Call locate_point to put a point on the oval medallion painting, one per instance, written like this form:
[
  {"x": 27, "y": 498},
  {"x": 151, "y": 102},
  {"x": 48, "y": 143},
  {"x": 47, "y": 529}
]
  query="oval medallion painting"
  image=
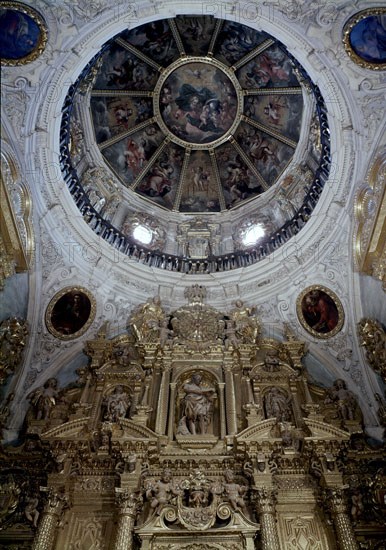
[
  {"x": 70, "y": 313},
  {"x": 365, "y": 38},
  {"x": 320, "y": 311},
  {"x": 23, "y": 34}
]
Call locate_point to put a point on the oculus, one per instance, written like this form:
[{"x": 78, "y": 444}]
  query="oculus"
[
  {"x": 365, "y": 38},
  {"x": 320, "y": 311},
  {"x": 23, "y": 34},
  {"x": 253, "y": 234},
  {"x": 70, "y": 313}
]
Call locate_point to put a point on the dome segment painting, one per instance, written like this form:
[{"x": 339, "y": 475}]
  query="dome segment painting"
[{"x": 227, "y": 96}]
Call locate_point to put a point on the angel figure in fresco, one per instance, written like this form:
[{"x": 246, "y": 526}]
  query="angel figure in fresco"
[
  {"x": 200, "y": 107},
  {"x": 135, "y": 155},
  {"x": 200, "y": 179},
  {"x": 159, "y": 183},
  {"x": 122, "y": 115}
]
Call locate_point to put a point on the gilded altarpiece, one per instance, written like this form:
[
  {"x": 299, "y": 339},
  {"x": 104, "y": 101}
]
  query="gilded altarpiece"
[{"x": 192, "y": 431}]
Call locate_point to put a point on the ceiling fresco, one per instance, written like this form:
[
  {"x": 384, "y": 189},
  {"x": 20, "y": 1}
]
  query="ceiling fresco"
[
  {"x": 197, "y": 115},
  {"x": 202, "y": 85}
]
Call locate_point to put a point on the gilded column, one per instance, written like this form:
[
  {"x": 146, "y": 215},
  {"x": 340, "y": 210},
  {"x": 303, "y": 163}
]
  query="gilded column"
[
  {"x": 223, "y": 432},
  {"x": 230, "y": 400},
  {"x": 171, "y": 410},
  {"x": 46, "y": 533},
  {"x": 267, "y": 519},
  {"x": 128, "y": 505},
  {"x": 160, "y": 426},
  {"x": 342, "y": 523}
]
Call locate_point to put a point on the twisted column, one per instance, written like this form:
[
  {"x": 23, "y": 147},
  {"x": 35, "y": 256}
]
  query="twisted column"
[
  {"x": 267, "y": 518},
  {"x": 128, "y": 505},
  {"x": 342, "y": 523},
  {"x": 46, "y": 533}
]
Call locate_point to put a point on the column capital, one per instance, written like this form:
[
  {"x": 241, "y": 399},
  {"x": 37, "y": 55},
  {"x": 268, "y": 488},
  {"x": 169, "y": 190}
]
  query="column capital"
[
  {"x": 127, "y": 501},
  {"x": 266, "y": 500},
  {"x": 56, "y": 500}
]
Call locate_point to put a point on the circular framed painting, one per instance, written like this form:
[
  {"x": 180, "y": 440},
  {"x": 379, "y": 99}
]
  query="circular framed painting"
[
  {"x": 23, "y": 34},
  {"x": 70, "y": 312},
  {"x": 364, "y": 37},
  {"x": 320, "y": 311}
]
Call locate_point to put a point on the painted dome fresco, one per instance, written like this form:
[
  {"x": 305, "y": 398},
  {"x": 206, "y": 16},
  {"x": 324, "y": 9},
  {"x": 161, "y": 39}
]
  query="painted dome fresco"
[{"x": 195, "y": 116}]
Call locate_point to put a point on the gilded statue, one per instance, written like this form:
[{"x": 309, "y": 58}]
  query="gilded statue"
[
  {"x": 44, "y": 399},
  {"x": 373, "y": 339},
  {"x": 197, "y": 406},
  {"x": 13, "y": 333},
  {"x": 343, "y": 398},
  {"x": 247, "y": 326},
  {"x": 146, "y": 320}
]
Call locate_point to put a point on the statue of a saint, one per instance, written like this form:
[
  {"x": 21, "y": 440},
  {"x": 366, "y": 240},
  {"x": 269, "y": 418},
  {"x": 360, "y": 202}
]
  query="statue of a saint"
[
  {"x": 271, "y": 360},
  {"x": 246, "y": 324},
  {"x": 116, "y": 405},
  {"x": 44, "y": 399},
  {"x": 277, "y": 405},
  {"x": 343, "y": 398},
  {"x": 197, "y": 407}
]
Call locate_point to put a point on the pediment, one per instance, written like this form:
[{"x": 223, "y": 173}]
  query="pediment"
[
  {"x": 258, "y": 432},
  {"x": 125, "y": 430},
  {"x": 322, "y": 430}
]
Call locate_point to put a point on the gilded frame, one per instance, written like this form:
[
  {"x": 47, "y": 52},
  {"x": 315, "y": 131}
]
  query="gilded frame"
[
  {"x": 38, "y": 19},
  {"x": 331, "y": 296},
  {"x": 350, "y": 24},
  {"x": 54, "y": 300}
]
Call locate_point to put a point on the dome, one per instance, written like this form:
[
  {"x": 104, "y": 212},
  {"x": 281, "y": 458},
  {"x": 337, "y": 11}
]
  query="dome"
[{"x": 200, "y": 129}]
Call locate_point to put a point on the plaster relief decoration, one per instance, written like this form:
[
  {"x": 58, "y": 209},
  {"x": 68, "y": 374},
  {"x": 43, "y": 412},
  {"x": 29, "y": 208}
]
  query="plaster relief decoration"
[
  {"x": 365, "y": 38},
  {"x": 320, "y": 311},
  {"x": 70, "y": 312},
  {"x": 145, "y": 229},
  {"x": 370, "y": 228},
  {"x": 23, "y": 34}
]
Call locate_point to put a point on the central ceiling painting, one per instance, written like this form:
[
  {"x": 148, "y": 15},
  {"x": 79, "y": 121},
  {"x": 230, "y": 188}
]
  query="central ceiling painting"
[{"x": 196, "y": 114}]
